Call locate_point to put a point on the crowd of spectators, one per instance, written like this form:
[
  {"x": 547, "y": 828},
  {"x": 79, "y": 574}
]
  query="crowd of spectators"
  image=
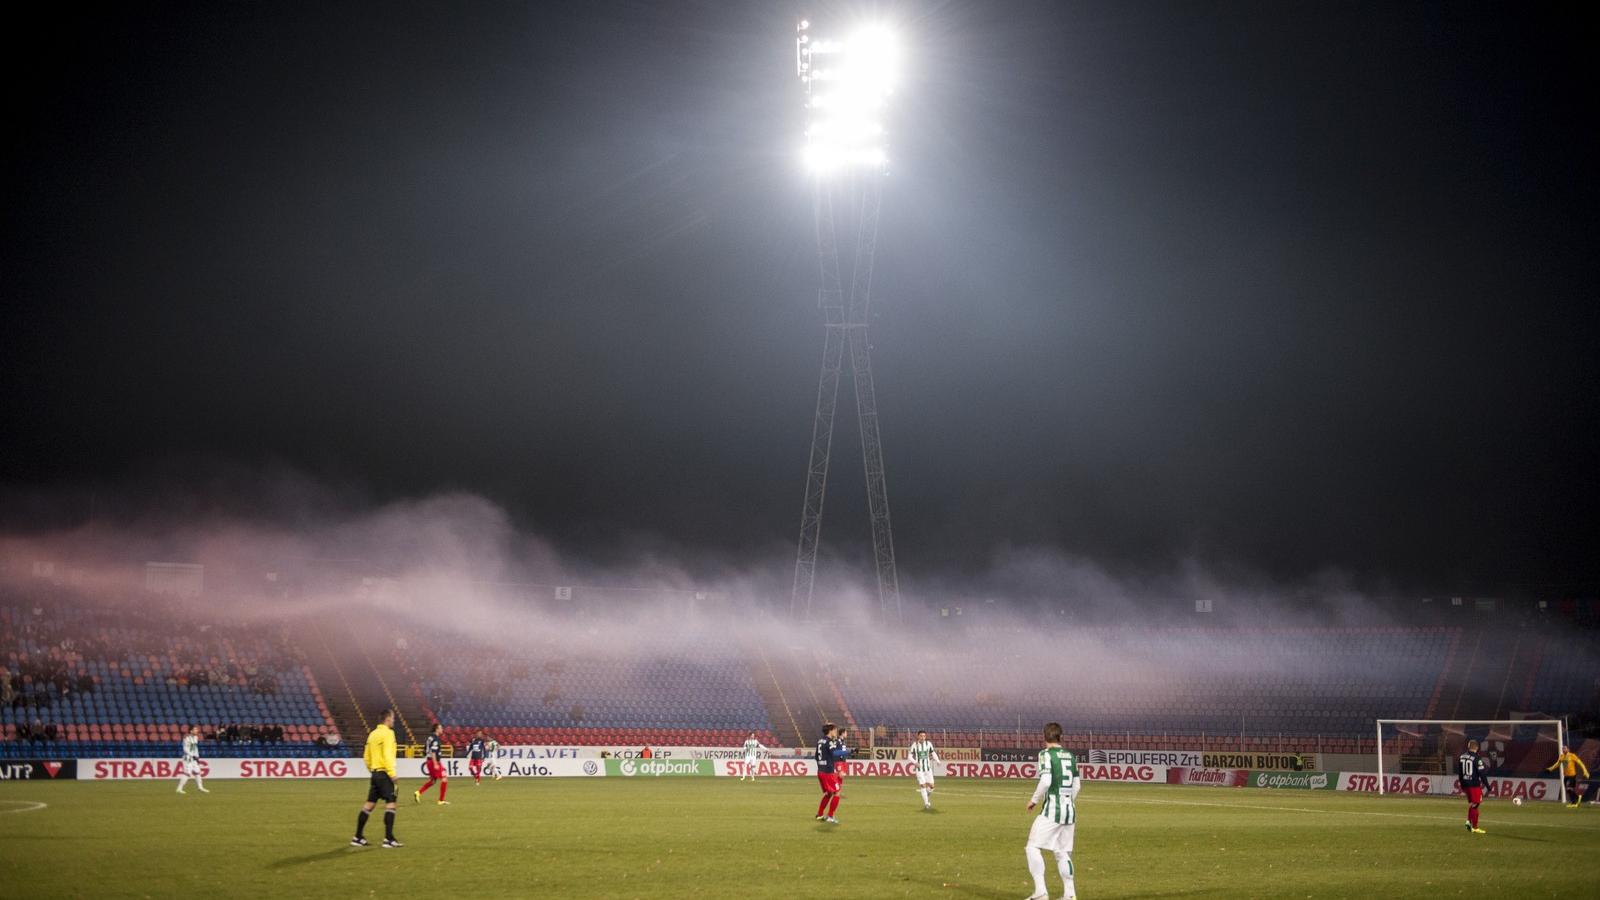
[
  {"x": 38, "y": 732},
  {"x": 248, "y": 734},
  {"x": 261, "y": 679},
  {"x": 53, "y": 641}
]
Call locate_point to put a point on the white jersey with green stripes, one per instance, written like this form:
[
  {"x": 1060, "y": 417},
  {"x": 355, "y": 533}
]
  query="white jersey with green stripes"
[
  {"x": 752, "y": 747},
  {"x": 922, "y": 756},
  {"x": 1059, "y": 784},
  {"x": 191, "y": 748}
]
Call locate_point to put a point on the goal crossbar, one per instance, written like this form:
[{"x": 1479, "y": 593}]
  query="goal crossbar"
[{"x": 1561, "y": 737}]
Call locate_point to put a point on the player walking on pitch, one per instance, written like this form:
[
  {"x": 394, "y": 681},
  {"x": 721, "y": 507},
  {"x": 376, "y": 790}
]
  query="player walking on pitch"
[
  {"x": 831, "y": 751},
  {"x": 491, "y": 761},
  {"x": 923, "y": 756},
  {"x": 1469, "y": 776},
  {"x": 191, "y": 761},
  {"x": 476, "y": 750},
  {"x": 379, "y": 756},
  {"x": 1570, "y": 764},
  {"x": 752, "y": 755},
  {"x": 1053, "y": 828},
  {"x": 433, "y": 766}
]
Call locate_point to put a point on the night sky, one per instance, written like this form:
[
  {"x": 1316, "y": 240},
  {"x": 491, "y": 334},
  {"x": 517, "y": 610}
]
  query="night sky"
[{"x": 1285, "y": 285}]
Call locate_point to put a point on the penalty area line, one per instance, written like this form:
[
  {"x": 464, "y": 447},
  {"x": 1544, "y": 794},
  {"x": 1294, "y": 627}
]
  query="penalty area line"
[{"x": 23, "y": 806}]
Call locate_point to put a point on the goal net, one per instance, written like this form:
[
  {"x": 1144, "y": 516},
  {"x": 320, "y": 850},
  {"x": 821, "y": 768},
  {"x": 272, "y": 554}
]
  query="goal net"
[{"x": 1418, "y": 756}]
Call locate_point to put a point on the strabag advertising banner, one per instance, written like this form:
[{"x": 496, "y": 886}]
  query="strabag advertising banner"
[
  {"x": 871, "y": 768},
  {"x": 1135, "y": 773},
  {"x": 269, "y": 769},
  {"x": 262, "y": 769},
  {"x": 1445, "y": 786}
]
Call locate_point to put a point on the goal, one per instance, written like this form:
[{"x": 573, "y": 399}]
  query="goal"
[{"x": 1514, "y": 748}]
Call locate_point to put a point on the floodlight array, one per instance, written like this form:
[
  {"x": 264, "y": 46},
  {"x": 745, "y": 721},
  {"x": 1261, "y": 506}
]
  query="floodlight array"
[{"x": 847, "y": 86}]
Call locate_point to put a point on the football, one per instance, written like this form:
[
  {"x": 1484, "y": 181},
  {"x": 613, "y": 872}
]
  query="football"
[{"x": 1516, "y": 801}]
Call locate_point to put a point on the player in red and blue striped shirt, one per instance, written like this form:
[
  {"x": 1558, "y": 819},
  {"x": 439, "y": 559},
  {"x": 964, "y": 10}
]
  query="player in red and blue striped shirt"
[
  {"x": 831, "y": 751},
  {"x": 1470, "y": 777},
  {"x": 433, "y": 765}
]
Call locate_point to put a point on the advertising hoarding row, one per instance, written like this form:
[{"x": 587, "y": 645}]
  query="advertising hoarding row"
[{"x": 1138, "y": 767}]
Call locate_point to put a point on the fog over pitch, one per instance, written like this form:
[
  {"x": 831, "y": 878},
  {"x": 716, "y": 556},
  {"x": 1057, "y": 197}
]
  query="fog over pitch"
[{"x": 1278, "y": 288}]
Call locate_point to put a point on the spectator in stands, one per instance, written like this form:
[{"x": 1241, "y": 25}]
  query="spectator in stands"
[
  {"x": 6, "y": 691},
  {"x": 50, "y": 732}
]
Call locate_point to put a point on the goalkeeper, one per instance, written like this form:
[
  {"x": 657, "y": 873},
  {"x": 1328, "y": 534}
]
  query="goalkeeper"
[{"x": 1570, "y": 764}]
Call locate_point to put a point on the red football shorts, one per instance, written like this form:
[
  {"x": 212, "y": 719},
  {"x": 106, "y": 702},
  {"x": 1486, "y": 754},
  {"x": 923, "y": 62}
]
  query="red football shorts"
[
  {"x": 1474, "y": 795},
  {"x": 434, "y": 768},
  {"x": 830, "y": 782}
]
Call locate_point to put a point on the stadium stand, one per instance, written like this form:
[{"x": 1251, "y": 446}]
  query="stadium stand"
[
  {"x": 551, "y": 695},
  {"x": 1286, "y": 684},
  {"x": 99, "y": 681},
  {"x": 127, "y": 680}
]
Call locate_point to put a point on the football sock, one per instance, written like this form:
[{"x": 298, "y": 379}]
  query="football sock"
[
  {"x": 822, "y": 808},
  {"x": 199, "y": 783},
  {"x": 833, "y": 804},
  {"x": 388, "y": 823},
  {"x": 1472, "y": 815},
  {"x": 182, "y": 780},
  {"x": 1036, "y": 869},
  {"x": 424, "y": 788},
  {"x": 443, "y": 786},
  {"x": 924, "y": 792},
  {"x": 1064, "y": 869},
  {"x": 361, "y": 822}
]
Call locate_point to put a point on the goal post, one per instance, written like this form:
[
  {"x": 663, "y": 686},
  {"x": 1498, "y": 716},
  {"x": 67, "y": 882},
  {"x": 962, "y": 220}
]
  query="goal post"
[{"x": 1429, "y": 746}]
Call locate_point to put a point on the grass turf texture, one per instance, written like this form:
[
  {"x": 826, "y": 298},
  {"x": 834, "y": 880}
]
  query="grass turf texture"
[{"x": 701, "y": 837}]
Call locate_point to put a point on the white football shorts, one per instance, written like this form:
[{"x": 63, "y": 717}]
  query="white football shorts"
[{"x": 1048, "y": 835}]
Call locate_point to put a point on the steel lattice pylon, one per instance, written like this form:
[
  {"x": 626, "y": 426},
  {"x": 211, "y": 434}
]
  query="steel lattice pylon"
[{"x": 846, "y": 326}]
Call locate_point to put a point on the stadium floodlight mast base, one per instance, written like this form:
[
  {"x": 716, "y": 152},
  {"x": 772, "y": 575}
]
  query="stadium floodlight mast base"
[
  {"x": 847, "y": 84},
  {"x": 1561, "y": 737}
]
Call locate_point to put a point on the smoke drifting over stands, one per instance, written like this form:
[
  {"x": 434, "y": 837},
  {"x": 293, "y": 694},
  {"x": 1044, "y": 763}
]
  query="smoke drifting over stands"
[{"x": 442, "y": 603}]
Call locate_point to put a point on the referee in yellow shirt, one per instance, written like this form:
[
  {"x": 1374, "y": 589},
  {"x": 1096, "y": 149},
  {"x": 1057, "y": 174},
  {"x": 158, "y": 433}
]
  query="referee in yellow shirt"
[
  {"x": 380, "y": 762},
  {"x": 1570, "y": 764}
]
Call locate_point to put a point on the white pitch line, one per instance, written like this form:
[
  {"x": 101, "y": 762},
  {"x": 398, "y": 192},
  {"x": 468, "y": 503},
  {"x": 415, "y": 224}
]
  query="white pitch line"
[
  {"x": 29, "y": 806},
  {"x": 1304, "y": 809}
]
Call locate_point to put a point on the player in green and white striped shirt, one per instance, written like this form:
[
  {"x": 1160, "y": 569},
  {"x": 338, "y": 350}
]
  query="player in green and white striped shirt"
[
  {"x": 923, "y": 756},
  {"x": 1053, "y": 828},
  {"x": 752, "y": 755},
  {"x": 190, "y": 767}
]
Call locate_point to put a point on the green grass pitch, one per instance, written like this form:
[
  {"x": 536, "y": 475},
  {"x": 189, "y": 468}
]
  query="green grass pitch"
[{"x": 669, "y": 838}]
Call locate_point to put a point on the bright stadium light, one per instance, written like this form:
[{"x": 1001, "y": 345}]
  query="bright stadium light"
[{"x": 848, "y": 83}]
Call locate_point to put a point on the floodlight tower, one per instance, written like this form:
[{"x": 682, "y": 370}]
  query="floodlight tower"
[{"x": 847, "y": 85}]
